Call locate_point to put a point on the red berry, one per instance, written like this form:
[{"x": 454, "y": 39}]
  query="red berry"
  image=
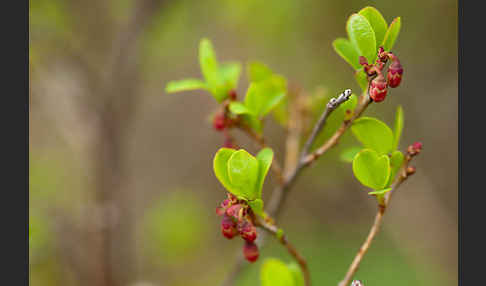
[
  {"x": 228, "y": 227},
  {"x": 219, "y": 121},
  {"x": 247, "y": 231},
  {"x": 395, "y": 72},
  {"x": 250, "y": 251},
  {"x": 378, "y": 88}
]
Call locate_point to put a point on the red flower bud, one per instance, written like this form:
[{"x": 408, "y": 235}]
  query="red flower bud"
[
  {"x": 414, "y": 149},
  {"x": 219, "y": 121},
  {"x": 395, "y": 72},
  {"x": 228, "y": 227},
  {"x": 234, "y": 211},
  {"x": 232, "y": 94},
  {"x": 363, "y": 61},
  {"x": 382, "y": 55},
  {"x": 378, "y": 88},
  {"x": 247, "y": 231},
  {"x": 250, "y": 251},
  {"x": 417, "y": 146}
]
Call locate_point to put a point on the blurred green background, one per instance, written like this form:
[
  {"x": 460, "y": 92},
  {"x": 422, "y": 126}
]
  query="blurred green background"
[{"x": 122, "y": 190}]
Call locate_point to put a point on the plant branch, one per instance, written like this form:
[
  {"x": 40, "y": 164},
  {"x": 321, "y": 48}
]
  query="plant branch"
[
  {"x": 403, "y": 175},
  {"x": 274, "y": 230}
]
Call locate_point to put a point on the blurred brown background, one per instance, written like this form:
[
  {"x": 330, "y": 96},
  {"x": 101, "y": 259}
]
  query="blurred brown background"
[{"x": 122, "y": 190}]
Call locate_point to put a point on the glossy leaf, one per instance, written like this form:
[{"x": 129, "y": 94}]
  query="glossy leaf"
[
  {"x": 297, "y": 273},
  {"x": 362, "y": 36},
  {"x": 396, "y": 161},
  {"x": 373, "y": 134},
  {"x": 347, "y": 51},
  {"x": 276, "y": 273},
  {"x": 258, "y": 71},
  {"x": 377, "y": 22},
  {"x": 397, "y": 132},
  {"x": 349, "y": 154},
  {"x": 220, "y": 163},
  {"x": 253, "y": 122},
  {"x": 257, "y": 207},
  {"x": 362, "y": 79},
  {"x": 243, "y": 172},
  {"x": 209, "y": 63},
  {"x": 262, "y": 96},
  {"x": 392, "y": 34},
  {"x": 264, "y": 158},
  {"x": 371, "y": 169},
  {"x": 237, "y": 107},
  {"x": 185, "y": 85}
]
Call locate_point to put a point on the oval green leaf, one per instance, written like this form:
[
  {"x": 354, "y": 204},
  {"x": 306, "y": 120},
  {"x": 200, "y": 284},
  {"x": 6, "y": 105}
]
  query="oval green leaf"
[
  {"x": 264, "y": 158},
  {"x": 373, "y": 134},
  {"x": 377, "y": 22},
  {"x": 185, "y": 85},
  {"x": 371, "y": 169},
  {"x": 238, "y": 108},
  {"x": 349, "y": 154},
  {"x": 243, "y": 173},
  {"x": 347, "y": 51},
  {"x": 275, "y": 273},
  {"x": 362, "y": 36},
  {"x": 397, "y": 132},
  {"x": 220, "y": 163},
  {"x": 263, "y": 96},
  {"x": 258, "y": 71},
  {"x": 396, "y": 161},
  {"x": 392, "y": 34},
  {"x": 208, "y": 63}
]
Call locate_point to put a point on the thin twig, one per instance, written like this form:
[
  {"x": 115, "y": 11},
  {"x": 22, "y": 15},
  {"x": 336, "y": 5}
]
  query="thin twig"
[
  {"x": 273, "y": 229},
  {"x": 376, "y": 225},
  {"x": 279, "y": 194}
]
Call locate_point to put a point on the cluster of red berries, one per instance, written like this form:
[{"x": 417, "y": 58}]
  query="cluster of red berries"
[
  {"x": 379, "y": 86},
  {"x": 222, "y": 121},
  {"x": 237, "y": 220}
]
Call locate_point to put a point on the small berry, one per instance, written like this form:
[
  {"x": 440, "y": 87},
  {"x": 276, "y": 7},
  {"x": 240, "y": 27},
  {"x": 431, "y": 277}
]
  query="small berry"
[
  {"x": 228, "y": 227},
  {"x": 250, "y": 251},
  {"x": 219, "y": 121},
  {"x": 247, "y": 231},
  {"x": 395, "y": 72},
  {"x": 378, "y": 88}
]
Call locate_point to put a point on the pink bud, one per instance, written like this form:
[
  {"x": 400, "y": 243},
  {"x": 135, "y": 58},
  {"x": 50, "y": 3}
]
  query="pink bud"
[
  {"x": 250, "y": 251},
  {"x": 234, "y": 211},
  {"x": 395, "y": 72},
  {"x": 219, "y": 121},
  {"x": 228, "y": 227},
  {"x": 417, "y": 146},
  {"x": 247, "y": 231},
  {"x": 378, "y": 88}
]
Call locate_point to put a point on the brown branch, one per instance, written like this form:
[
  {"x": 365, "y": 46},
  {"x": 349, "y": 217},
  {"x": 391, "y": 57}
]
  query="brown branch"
[
  {"x": 382, "y": 207},
  {"x": 274, "y": 230}
]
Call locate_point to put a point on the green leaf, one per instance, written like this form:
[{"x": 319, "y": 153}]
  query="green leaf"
[
  {"x": 281, "y": 112},
  {"x": 237, "y": 107},
  {"x": 396, "y": 161},
  {"x": 253, "y": 122},
  {"x": 230, "y": 74},
  {"x": 362, "y": 79},
  {"x": 243, "y": 173},
  {"x": 258, "y": 71},
  {"x": 220, "y": 163},
  {"x": 362, "y": 36},
  {"x": 184, "y": 85},
  {"x": 380, "y": 192},
  {"x": 373, "y": 134},
  {"x": 263, "y": 96},
  {"x": 297, "y": 273},
  {"x": 371, "y": 169},
  {"x": 377, "y": 22},
  {"x": 275, "y": 273},
  {"x": 397, "y": 132},
  {"x": 392, "y": 34},
  {"x": 264, "y": 158},
  {"x": 349, "y": 154},
  {"x": 209, "y": 63},
  {"x": 257, "y": 207},
  {"x": 347, "y": 51}
]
